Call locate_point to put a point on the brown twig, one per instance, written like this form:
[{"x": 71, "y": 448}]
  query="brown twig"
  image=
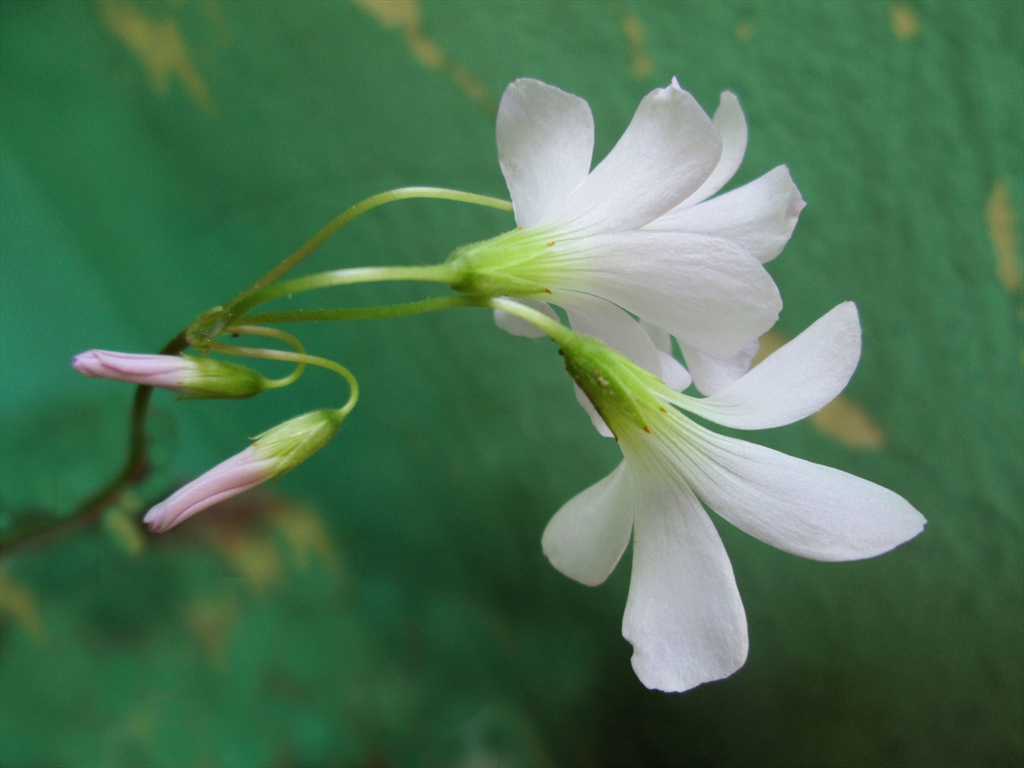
[{"x": 135, "y": 468}]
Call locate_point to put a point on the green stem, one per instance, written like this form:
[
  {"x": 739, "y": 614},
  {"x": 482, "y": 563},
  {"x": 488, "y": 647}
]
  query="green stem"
[
  {"x": 404, "y": 193},
  {"x": 436, "y": 273},
  {"x": 274, "y": 333},
  {"x": 368, "y": 313},
  {"x": 552, "y": 328},
  {"x": 295, "y": 357}
]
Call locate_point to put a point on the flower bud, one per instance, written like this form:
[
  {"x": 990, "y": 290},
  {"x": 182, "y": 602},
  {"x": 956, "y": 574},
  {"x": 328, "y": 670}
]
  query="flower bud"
[
  {"x": 193, "y": 377},
  {"x": 272, "y": 454}
]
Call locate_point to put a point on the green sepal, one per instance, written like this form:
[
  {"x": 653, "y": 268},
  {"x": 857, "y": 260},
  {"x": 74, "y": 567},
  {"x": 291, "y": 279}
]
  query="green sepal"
[
  {"x": 292, "y": 442},
  {"x": 220, "y": 379},
  {"x": 617, "y": 387},
  {"x": 515, "y": 263}
]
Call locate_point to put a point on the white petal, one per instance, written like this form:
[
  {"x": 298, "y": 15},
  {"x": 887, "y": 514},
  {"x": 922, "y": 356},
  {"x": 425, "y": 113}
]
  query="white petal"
[
  {"x": 668, "y": 150},
  {"x": 732, "y": 127},
  {"x": 793, "y": 382},
  {"x": 707, "y": 292},
  {"x": 587, "y": 536},
  {"x": 684, "y": 617},
  {"x": 662, "y": 341},
  {"x": 545, "y": 144},
  {"x": 760, "y": 215},
  {"x": 601, "y": 319},
  {"x": 519, "y": 327},
  {"x": 800, "y": 507},
  {"x": 672, "y": 371},
  {"x": 581, "y": 397},
  {"x": 711, "y": 374}
]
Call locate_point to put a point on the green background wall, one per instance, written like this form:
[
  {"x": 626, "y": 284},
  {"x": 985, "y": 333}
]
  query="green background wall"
[{"x": 388, "y": 603}]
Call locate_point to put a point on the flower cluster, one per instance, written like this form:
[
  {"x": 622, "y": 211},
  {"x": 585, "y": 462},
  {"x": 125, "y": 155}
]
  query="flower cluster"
[
  {"x": 641, "y": 255},
  {"x": 638, "y": 233}
]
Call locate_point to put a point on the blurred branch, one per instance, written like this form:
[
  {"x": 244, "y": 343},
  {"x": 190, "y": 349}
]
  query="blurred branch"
[{"x": 135, "y": 469}]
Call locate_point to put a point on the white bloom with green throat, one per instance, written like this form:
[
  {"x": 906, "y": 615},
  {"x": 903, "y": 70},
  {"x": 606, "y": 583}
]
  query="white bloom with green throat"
[
  {"x": 637, "y": 232},
  {"x": 684, "y": 616}
]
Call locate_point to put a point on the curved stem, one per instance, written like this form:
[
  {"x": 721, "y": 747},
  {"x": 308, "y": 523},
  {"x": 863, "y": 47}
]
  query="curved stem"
[
  {"x": 368, "y": 313},
  {"x": 403, "y": 193},
  {"x": 274, "y": 333},
  {"x": 295, "y": 357},
  {"x": 552, "y": 328},
  {"x": 436, "y": 273},
  {"x": 135, "y": 468}
]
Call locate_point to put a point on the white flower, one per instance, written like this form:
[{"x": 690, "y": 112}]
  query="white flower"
[
  {"x": 272, "y": 454},
  {"x": 634, "y": 233},
  {"x": 684, "y": 616}
]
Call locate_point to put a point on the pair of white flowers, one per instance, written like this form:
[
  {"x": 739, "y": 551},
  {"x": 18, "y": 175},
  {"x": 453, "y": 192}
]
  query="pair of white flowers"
[{"x": 637, "y": 234}]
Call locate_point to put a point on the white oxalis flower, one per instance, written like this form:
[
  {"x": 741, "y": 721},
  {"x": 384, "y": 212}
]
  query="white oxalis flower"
[
  {"x": 636, "y": 233},
  {"x": 684, "y": 616}
]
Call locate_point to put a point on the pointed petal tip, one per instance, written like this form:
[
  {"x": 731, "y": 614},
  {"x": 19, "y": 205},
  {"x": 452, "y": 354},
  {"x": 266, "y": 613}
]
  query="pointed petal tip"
[
  {"x": 153, "y": 519},
  {"x": 82, "y": 362},
  {"x": 905, "y": 523}
]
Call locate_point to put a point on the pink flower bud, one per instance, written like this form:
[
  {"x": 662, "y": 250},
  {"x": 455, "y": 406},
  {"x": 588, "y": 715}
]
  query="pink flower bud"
[
  {"x": 229, "y": 478},
  {"x": 276, "y": 451},
  {"x": 193, "y": 377}
]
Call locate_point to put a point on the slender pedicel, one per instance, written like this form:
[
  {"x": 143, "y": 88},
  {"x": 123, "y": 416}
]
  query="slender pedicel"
[
  {"x": 296, "y": 357},
  {"x": 367, "y": 313},
  {"x": 436, "y": 273},
  {"x": 404, "y": 193}
]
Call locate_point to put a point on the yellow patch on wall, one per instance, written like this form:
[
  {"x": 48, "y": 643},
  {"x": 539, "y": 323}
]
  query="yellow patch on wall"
[
  {"x": 744, "y": 31},
  {"x": 843, "y": 419},
  {"x": 640, "y": 65},
  {"x": 211, "y": 620},
  {"x": 904, "y": 20},
  {"x": 252, "y": 555},
  {"x": 158, "y": 44},
  {"x": 121, "y": 523},
  {"x": 406, "y": 17},
  {"x": 18, "y": 603},
  {"x": 1002, "y": 229},
  {"x": 306, "y": 536}
]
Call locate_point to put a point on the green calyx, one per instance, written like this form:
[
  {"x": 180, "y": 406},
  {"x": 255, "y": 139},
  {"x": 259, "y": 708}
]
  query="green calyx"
[
  {"x": 292, "y": 442},
  {"x": 619, "y": 389},
  {"x": 516, "y": 263},
  {"x": 220, "y": 379}
]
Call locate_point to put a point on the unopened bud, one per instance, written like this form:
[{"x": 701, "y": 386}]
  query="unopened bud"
[
  {"x": 193, "y": 377},
  {"x": 275, "y": 452}
]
